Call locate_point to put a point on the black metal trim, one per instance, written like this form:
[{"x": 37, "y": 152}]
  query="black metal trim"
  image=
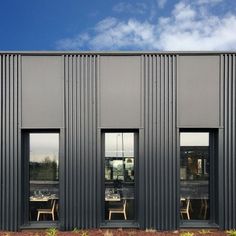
[
  {"x": 116, "y": 224},
  {"x": 25, "y": 175},
  {"x": 198, "y": 224},
  {"x": 41, "y": 225},
  {"x": 213, "y": 183},
  {"x": 120, "y": 224}
]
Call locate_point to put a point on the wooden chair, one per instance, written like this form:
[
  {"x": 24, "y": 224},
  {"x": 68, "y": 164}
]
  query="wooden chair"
[
  {"x": 118, "y": 210},
  {"x": 50, "y": 211},
  {"x": 185, "y": 209}
]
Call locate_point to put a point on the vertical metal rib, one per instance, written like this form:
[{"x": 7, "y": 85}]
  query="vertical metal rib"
[
  {"x": 229, "y": 184},
  {"x": 9, "y": 150},
  {"x": 233, "y": 166},
  {"x": 159, "y": 141},
  {"x": 80, "y": 124},
  {"x": 1, "y": 133}
]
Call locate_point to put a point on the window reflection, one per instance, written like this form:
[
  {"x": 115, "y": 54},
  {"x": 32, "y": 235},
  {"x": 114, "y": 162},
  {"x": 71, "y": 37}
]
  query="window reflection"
[
  {"x": 43, "y": 176},
  {"x": 119, "y": 176},
  {"x": 194, "y": 176},
  {"x": 119, "y": 145}
]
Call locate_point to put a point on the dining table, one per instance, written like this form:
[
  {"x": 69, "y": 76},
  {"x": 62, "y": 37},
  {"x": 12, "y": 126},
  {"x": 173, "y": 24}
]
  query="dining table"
[
  {"x": 112, "y": 197},
  {"x": 43, "y": 198}
]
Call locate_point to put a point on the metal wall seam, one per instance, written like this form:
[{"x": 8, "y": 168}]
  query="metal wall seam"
[
  {"x": 229, "y": 136},
  {"x": 97, "y": 123},
  {"x": 63, "y": 197},
  {"x": 3, "y": 140},
  {"x": 62, "y": 161},
  {"x": 154, "y": 137},
  {"x": 146, "y": 219},
  {"x": 170, "y": 134},
  {"x": 220, "y": 168},
  {"x": 11, "y": 136},
  {"x": 233, "y": 166},
  {"x": 225, "y": 139},
  {"x": 74, "y": 136},
  {"x": 230, "y": 133},
  {"x": 175, "y": 167},
  {"x": 229, "y": 185},
  {"x": 149, "y": 149},
  {"x": 78, "y": 131},
  {"x": 93, "y": 134},
  {"x": 18, "y": 142},
  {"x": 161, "y": 153},
  {"x": 226, "y": 208},
  {"x": 221, "y": 91},
  {"x": 141, "y": 179},
  {"x": 80, "y": 123},
  {"x": 9, "y": 156},
  {"x": 159, "y": 140},
  {"x": 70, "y": 140},
  {"x": 15, "y": 137},
  {"x": 1, "y": 112},
  {"x": 7, "y": 143}
]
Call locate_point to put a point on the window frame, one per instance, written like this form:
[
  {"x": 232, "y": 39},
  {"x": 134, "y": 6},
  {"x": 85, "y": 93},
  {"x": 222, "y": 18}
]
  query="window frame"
[
  {"x": 119, "y": 223},
  {"x": 213, "y": 180},
  {"x": 25, "y": 151}
]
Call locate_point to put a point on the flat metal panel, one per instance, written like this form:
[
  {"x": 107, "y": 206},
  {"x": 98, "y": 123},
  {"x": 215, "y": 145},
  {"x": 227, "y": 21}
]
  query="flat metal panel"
[
  {"x": 228, "y": 187},
  {"x": 198, "y": 91},
  {"x": 80, "y": 190},
  {"x": 120, "y": 92},
  {"x": 42, "y": 92},
  {"x": 158, "y": 159},
  {"x": 10, "y": 172}
]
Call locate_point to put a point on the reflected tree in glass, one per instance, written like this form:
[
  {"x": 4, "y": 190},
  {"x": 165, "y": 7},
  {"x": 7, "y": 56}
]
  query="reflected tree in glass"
[
  {"x": 194, "y": 176},
  {"x": 119, "y": 176},
  {"x": 43, "y": 176}
]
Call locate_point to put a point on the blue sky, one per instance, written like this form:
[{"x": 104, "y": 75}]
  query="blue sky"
[{"x": 162, "y": 25}]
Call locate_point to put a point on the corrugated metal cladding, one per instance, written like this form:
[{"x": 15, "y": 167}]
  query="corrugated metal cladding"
[
  {"x": 80, "y": 166},
  {"x": 9, "y": 142},
  {"x": 228, "y": 67},
  {"x": 160, "y": 157},
  {"x": 80, "y": 192}
]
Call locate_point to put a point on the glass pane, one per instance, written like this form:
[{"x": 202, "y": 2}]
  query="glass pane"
[
  {"x": 119, "y": 176},
  {"x": 114, "y": 169},
  {"x": 194, "y": 139},
  {"x": 194, "y": 176},
  {"x": 119, "y": 145},
  {"x": 129, "y": 169},
  {"x": 43, "y": 176}
]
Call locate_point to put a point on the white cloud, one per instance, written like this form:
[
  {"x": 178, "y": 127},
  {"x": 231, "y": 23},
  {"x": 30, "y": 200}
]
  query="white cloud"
[
  {"x": 188, "y": 27},
  {"x": 106, "y": 24},
  {"x": 134, "y": 8},
  {"x": 73, "y": 43},
  {"x": 161, "y": 3},
  {"x": 123, "y": 34},
  {"x": 188, "y": 30},
  {"x": 183, "y": 12},
  {"x": 200, "y": 2}
]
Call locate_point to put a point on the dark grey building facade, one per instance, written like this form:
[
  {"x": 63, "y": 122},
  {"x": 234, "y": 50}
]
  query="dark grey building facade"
[{"x": 126, "y": 139}]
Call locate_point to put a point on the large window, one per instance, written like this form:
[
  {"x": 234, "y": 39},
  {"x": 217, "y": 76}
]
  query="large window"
[
  {"x": 194, "y": 175},
  {"x": 43, "y": 176},
  {"x": 119, "y": 176}
]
